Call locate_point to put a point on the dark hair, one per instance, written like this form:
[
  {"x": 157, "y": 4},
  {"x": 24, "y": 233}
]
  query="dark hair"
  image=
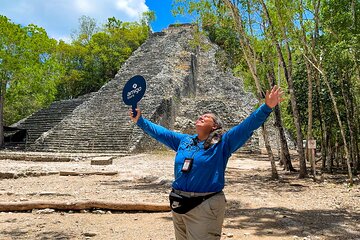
[{"x": 215, "y": 136}]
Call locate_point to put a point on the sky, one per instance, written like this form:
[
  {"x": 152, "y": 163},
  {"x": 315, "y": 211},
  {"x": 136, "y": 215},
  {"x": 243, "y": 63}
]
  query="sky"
[{"x": 61, "y": 17}]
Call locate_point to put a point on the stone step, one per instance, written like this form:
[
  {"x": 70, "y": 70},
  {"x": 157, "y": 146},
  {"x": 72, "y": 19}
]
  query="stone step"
[
  {"x": 90, "y": 136},
  {"x": 84, "y": 140},
  {"x": 57, "y": 144},
  {"x": 69, "y": 146},
  {"x": 95, "y": 118},
  {"x": 125, "y": 141},
  {"x": 117, "y": 140},
  {"x": 83, "y": 150},
  {"x": 82, "y": 143},
  {"x": 85, "y": 133},
  {"x": 79, "y": 148},
  {"x": 48, "y": 116},
  {"x": 99, "y": 148},
  {"x": 102, "y": 122},
  {"x": 110, "y": 129},
  {"x": 55, "y": 110}
]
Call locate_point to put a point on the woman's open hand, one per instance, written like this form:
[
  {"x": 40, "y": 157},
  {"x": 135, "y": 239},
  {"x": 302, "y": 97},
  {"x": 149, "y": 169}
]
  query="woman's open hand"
[{"x": 273, "y": 97}]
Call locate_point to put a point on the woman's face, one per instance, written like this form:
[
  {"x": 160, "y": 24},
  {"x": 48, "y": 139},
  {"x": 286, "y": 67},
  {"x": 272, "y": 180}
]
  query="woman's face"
[{"x": 205, "y": 124}]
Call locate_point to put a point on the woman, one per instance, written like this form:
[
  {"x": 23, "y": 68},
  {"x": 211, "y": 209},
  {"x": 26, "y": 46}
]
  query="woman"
[{"x": 197, "y": 199}]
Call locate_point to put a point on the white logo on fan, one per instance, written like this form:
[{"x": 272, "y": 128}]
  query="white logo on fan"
[{"x": 134, "y": 85}]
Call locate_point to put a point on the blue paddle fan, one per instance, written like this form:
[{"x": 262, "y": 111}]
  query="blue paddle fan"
[{"x": 133, "y": 91}]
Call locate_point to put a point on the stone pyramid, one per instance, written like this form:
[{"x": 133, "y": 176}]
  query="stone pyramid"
[{"x": 183, "y": 79}]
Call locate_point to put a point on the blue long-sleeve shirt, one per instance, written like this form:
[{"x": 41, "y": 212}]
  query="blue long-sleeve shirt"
[{"x": 208, "y": 170}]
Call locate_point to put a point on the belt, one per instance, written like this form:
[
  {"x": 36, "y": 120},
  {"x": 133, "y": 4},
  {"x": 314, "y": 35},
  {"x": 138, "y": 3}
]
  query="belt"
[{"x": 193, "y": 194}]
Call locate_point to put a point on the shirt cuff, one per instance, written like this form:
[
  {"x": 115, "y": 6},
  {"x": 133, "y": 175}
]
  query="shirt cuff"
[
  {"x": 265, "y": 108},
  {"x": 140, "y": 122}
]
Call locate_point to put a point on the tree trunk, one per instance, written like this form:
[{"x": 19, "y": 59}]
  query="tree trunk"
[
  {"x": 288, "y": 77},
  {"x": 329, "y": 160},
  {"x": 279, "y": 125},
  {"x": 321, "y": 111},
  {"x": 310, "y": 93},
  {"x": 353, "y": 14},
  {"x": 281, "y": 155},
  {"x": 82, "y": 205},
  {"x": 2, "y": 101},
  {"x": 342, "y": 131},
  {"x": 318, "y": 67},
  {"x": 357, "y": 140},
  {"x": 356, "y": 117},
  {"x": 323, "y": 127},
  {"x": 274, "y": 174},
  {"x": 349, "y": 118},
  {"x": 249, "y": 55},
  {"x": 310, "y": 118},
  {"x": 342, "y": 159}
]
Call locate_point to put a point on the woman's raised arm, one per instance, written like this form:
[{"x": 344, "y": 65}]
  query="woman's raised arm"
[{"x": 170, "y": 138}]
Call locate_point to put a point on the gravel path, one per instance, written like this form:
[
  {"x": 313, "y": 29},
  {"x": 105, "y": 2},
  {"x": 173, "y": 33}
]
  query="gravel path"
[{"x": 257, "y": 207}]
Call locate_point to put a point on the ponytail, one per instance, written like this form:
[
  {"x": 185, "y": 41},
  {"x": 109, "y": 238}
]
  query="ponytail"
[{"x": 215, "y": 136}]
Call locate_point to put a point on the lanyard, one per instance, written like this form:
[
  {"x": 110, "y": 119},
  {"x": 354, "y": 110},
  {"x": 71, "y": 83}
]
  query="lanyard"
[
  {"x": 188, "y": 162},
  {"x": 194, "y": 146}
]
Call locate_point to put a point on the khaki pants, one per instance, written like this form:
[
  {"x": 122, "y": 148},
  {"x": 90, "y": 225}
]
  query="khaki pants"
[{"x": 203, "y": 222}]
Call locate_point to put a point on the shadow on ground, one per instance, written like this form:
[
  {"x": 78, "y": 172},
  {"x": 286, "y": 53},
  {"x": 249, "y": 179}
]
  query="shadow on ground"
[
  {"x": 152, "y": 184},
  {"x": 14, "y": 233},
  {"x": 52, "y": 235},
  {"x": 275, "y": 221},
  {"x": 262, "y": 180},
  {"x": 23, "y": 234}
]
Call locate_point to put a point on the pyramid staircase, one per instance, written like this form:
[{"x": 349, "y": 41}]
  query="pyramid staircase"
[
  {"x": 101, "y": 123},
  {"x": 47, "y": 118},
  {"x": 182, "y": 82}
]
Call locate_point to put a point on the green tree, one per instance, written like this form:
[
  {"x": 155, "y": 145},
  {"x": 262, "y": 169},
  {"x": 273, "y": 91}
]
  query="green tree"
[
  {"x": 28, "y": 69},
  {"x": 87, "y": 28},
  {"x": 71, "y": 58},
  {"x": 313, "y": 45},
  {"x": 90, "y": 64}
]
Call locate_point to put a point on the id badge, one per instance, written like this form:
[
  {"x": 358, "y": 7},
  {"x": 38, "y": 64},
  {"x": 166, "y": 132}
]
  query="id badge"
[{"x": 187, "y": 165}]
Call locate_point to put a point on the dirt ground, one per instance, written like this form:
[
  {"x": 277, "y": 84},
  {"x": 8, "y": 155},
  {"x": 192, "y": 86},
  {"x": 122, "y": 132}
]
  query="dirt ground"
[{"x": 257, "y": 207}]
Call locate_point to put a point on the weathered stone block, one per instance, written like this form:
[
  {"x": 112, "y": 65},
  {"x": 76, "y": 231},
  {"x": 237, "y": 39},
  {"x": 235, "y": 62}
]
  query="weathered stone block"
[{"x": 102, "y": 161}]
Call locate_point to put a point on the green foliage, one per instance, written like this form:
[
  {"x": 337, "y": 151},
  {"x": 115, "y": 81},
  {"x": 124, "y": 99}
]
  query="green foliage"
[
  {"x": 335, "y": 41},
  {"x": 90, "y": 64},
  {"x": 87, "y": 28},
  {"x": 36, "y": 70},
  {"x": 28, "y": 68},
  {"x": 71, "y": 58}
]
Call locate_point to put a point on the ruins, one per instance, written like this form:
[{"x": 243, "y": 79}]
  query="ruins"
[{"x": 184, "y": 80}]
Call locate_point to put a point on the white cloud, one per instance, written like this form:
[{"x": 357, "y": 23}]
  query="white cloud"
[
  {"x": 132, "y": 7},
  {"x": 84, "y": 6},
  {"x": 60, "y": 18}
]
